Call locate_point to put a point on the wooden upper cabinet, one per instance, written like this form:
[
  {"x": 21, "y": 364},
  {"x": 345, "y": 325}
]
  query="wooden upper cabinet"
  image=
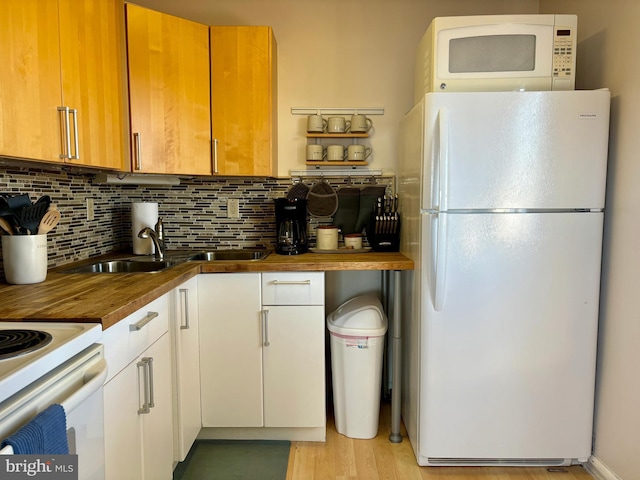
[
  {"x": 244, "y": 100},
  {"x": 30, "y": 82},
  {"x": 168, "y": 93},
  {"x": 93, "y": 80},
  {"x": 62, "y": 53}
]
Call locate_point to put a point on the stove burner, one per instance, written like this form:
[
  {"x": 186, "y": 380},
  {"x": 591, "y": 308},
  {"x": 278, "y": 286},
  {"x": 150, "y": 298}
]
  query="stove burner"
[{"x": 19, "y": 342}]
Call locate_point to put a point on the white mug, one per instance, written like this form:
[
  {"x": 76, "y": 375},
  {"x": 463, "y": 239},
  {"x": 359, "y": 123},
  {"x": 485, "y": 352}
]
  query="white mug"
[
  {"x": 316, "y": 124},
  {"x": 360, "y": 124},
  {"x": 358, "y": 153},
  {"x": 337, "y": 125},
  {"x": 327, "y": 237},
  {"x": 316, "y": 153},
  {"x": 335, "y": 153}
]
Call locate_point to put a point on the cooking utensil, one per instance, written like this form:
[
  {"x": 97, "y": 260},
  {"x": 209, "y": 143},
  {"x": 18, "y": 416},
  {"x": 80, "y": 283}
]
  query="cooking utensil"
[
  {"x": 29, "y": 217},
  {"x": 18, "y": 202},
  {"x": 48, "y": 221},
  {"x": 6, "y": 226}
]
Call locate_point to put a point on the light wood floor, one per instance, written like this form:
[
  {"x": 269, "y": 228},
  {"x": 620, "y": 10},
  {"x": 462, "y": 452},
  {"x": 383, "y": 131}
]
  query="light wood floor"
[{"x": 342, "y": 458}]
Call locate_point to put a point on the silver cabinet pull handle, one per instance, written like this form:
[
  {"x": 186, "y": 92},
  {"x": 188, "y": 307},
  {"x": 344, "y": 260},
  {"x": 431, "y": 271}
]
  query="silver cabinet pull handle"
[
  {"x": 184, "y": 295},
  {"x": 150, "y": 369},
  {"x": 137, "y": 147},
  {"x": 265, "y": 328},
  {"x": 215, "y": 155},
  {"x": 66, "y": 140},
  {"x": 294, "y": 282},
  {"x": 145, "y": 408},
  {"x": 76, "y": 156},
  {"x": 134, "y": 327}
]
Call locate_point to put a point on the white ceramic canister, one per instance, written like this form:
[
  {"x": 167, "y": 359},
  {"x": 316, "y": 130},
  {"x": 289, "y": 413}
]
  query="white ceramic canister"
[
  {"x": 327, "y": 237},
  {"x": 24, "y": 258}
]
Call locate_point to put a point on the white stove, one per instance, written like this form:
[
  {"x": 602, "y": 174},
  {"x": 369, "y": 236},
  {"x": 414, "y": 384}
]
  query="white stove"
[{"x": 66, "y": 340}]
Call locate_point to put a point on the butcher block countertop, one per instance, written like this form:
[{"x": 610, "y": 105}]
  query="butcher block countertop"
[{"x": 107, "y": 298}]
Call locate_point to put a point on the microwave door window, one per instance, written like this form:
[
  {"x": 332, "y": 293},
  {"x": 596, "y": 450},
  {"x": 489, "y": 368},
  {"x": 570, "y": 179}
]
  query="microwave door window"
[{"x": 492, "y": 53}]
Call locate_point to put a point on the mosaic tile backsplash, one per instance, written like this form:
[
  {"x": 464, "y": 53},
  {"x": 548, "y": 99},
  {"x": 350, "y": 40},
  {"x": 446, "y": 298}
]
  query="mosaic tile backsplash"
[{"x": 194, "y": 213}]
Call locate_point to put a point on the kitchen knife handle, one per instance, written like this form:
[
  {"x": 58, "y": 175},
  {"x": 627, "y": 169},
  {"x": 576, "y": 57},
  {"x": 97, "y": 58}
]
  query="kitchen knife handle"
[
  {"x": 137, "y": 148},
  {"x": 66, "y": 144},
  {"x": 184, "y": 294}
]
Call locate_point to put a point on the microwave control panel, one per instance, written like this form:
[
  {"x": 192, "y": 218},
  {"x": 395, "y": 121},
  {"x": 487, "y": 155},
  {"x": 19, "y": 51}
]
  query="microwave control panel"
[{"x": 563, "y": 53}]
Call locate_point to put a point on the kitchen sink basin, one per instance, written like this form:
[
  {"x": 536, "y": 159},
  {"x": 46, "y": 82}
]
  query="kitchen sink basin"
[
  {"x": 237, "y": 255},
  {"x": 121, "y": 266}
]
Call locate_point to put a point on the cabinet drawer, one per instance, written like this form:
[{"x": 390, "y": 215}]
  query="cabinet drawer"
[
  {"x": 295, "y": 288},
  {"x": 123, "y": 343}
]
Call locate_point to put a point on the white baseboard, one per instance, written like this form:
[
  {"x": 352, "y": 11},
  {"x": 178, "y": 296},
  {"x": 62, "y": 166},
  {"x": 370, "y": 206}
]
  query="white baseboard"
[{"x": 599, "y": 470}]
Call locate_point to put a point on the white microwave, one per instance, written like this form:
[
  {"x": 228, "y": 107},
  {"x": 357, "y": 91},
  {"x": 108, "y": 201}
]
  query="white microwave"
[{"x": 497, "y": 53}]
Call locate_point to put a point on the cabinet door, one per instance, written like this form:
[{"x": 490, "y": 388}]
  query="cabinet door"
[
  {"x": 230, "y": 349},
  {"x": 30, "y": 88},
  {"x": 123, "y": 426},
  {"x": 186, "y": 358},
  {"x": 244, "y": 100},
  {"x": 92, "y": 52},
  {"x": 157, "y": 425},
  {"x": 169, "y": 93},
  {"x": 294, "y": 374}
]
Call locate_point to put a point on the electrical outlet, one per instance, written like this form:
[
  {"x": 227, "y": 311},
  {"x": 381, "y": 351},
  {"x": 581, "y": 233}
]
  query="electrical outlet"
[
  {"x": 90, "y": 210},
  {"x": 233, "y": 208}
]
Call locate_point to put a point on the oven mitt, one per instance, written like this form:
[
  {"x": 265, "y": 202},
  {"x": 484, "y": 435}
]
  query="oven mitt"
[
  {"x": 368, "y": 200},
  {"x": 348, "y": 209}
]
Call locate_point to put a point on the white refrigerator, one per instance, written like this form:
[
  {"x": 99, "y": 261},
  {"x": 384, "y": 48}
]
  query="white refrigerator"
[{"x": 502, "y": 197}]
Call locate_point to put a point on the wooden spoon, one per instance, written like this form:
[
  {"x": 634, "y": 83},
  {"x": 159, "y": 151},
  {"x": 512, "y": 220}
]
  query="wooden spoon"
[
  {"x": 48, "y": 221},
  {"x": 6, "y": 226}
]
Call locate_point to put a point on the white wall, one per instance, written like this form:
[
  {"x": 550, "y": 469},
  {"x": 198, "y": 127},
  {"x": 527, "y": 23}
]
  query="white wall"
[
  {"x": 608, "y": 40},
  {"x": 340, "y": 53}
]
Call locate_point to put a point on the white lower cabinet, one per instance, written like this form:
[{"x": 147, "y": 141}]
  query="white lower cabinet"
[
  {"x": 138, "y": 396},
  {"x": 186, "y": 367},
  {"x": 262, "y": 354}
]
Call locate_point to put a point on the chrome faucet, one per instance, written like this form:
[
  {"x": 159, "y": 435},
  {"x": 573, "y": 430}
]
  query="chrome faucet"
[{"x": 157, "y": 237}]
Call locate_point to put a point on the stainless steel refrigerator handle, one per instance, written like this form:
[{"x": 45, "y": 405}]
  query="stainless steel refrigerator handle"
[
  {"x": 184, "y": 294},
  {"x": 215, "y": 155},
  {"x": 134, "y": 327},
  {"x": 145, "y": 405},
  {"x": 137, "y": 148},
  {"x": 265, "y": 328},
  {"x": 76, "y": 156},
  {"x": 66, "y": 143}
]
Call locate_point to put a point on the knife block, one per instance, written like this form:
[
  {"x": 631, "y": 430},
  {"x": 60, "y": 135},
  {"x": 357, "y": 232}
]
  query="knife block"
[{"x": 383, "y": 235}]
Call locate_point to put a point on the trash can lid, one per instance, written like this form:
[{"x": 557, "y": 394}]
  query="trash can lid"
[{"x": 361, "y": 316}]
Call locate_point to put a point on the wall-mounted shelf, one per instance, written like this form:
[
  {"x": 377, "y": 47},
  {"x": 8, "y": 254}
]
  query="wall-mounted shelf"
[
  {"x": 327, "y": 163},
  {"x": 336, "y": 111},
  {"x": 337, "y": 135}
]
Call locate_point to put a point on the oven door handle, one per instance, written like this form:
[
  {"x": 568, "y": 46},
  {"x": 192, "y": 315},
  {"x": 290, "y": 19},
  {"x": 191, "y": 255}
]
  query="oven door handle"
[{"x": 93, "y": 380}]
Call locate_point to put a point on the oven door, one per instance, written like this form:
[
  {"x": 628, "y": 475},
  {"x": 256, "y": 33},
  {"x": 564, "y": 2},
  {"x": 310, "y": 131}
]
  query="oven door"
[{"x": 77, "y": 386}]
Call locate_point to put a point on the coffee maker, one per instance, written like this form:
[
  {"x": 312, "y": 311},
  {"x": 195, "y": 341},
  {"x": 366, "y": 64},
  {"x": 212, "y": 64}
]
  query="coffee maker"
[{"x": 291, "y": 226}]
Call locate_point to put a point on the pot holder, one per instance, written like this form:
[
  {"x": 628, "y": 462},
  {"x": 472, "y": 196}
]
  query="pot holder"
[{"x": 322, "y": 200}]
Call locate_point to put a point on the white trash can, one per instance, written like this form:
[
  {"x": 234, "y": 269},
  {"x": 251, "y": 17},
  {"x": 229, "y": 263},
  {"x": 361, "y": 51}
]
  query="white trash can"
[{"x": 357, "y": 329}]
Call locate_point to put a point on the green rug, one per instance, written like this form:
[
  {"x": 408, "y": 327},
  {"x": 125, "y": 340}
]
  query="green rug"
[{"x": 235, "y": 460}]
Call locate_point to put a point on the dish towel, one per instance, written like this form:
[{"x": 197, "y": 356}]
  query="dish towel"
[
  {"x": 348, "y": 209},
  {"x": 45, "y": 434}
]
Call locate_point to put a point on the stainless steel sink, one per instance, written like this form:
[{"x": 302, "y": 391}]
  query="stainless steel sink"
[
  {"x": 237, "y": 255},
  {"x": 121, "y": 266}
]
